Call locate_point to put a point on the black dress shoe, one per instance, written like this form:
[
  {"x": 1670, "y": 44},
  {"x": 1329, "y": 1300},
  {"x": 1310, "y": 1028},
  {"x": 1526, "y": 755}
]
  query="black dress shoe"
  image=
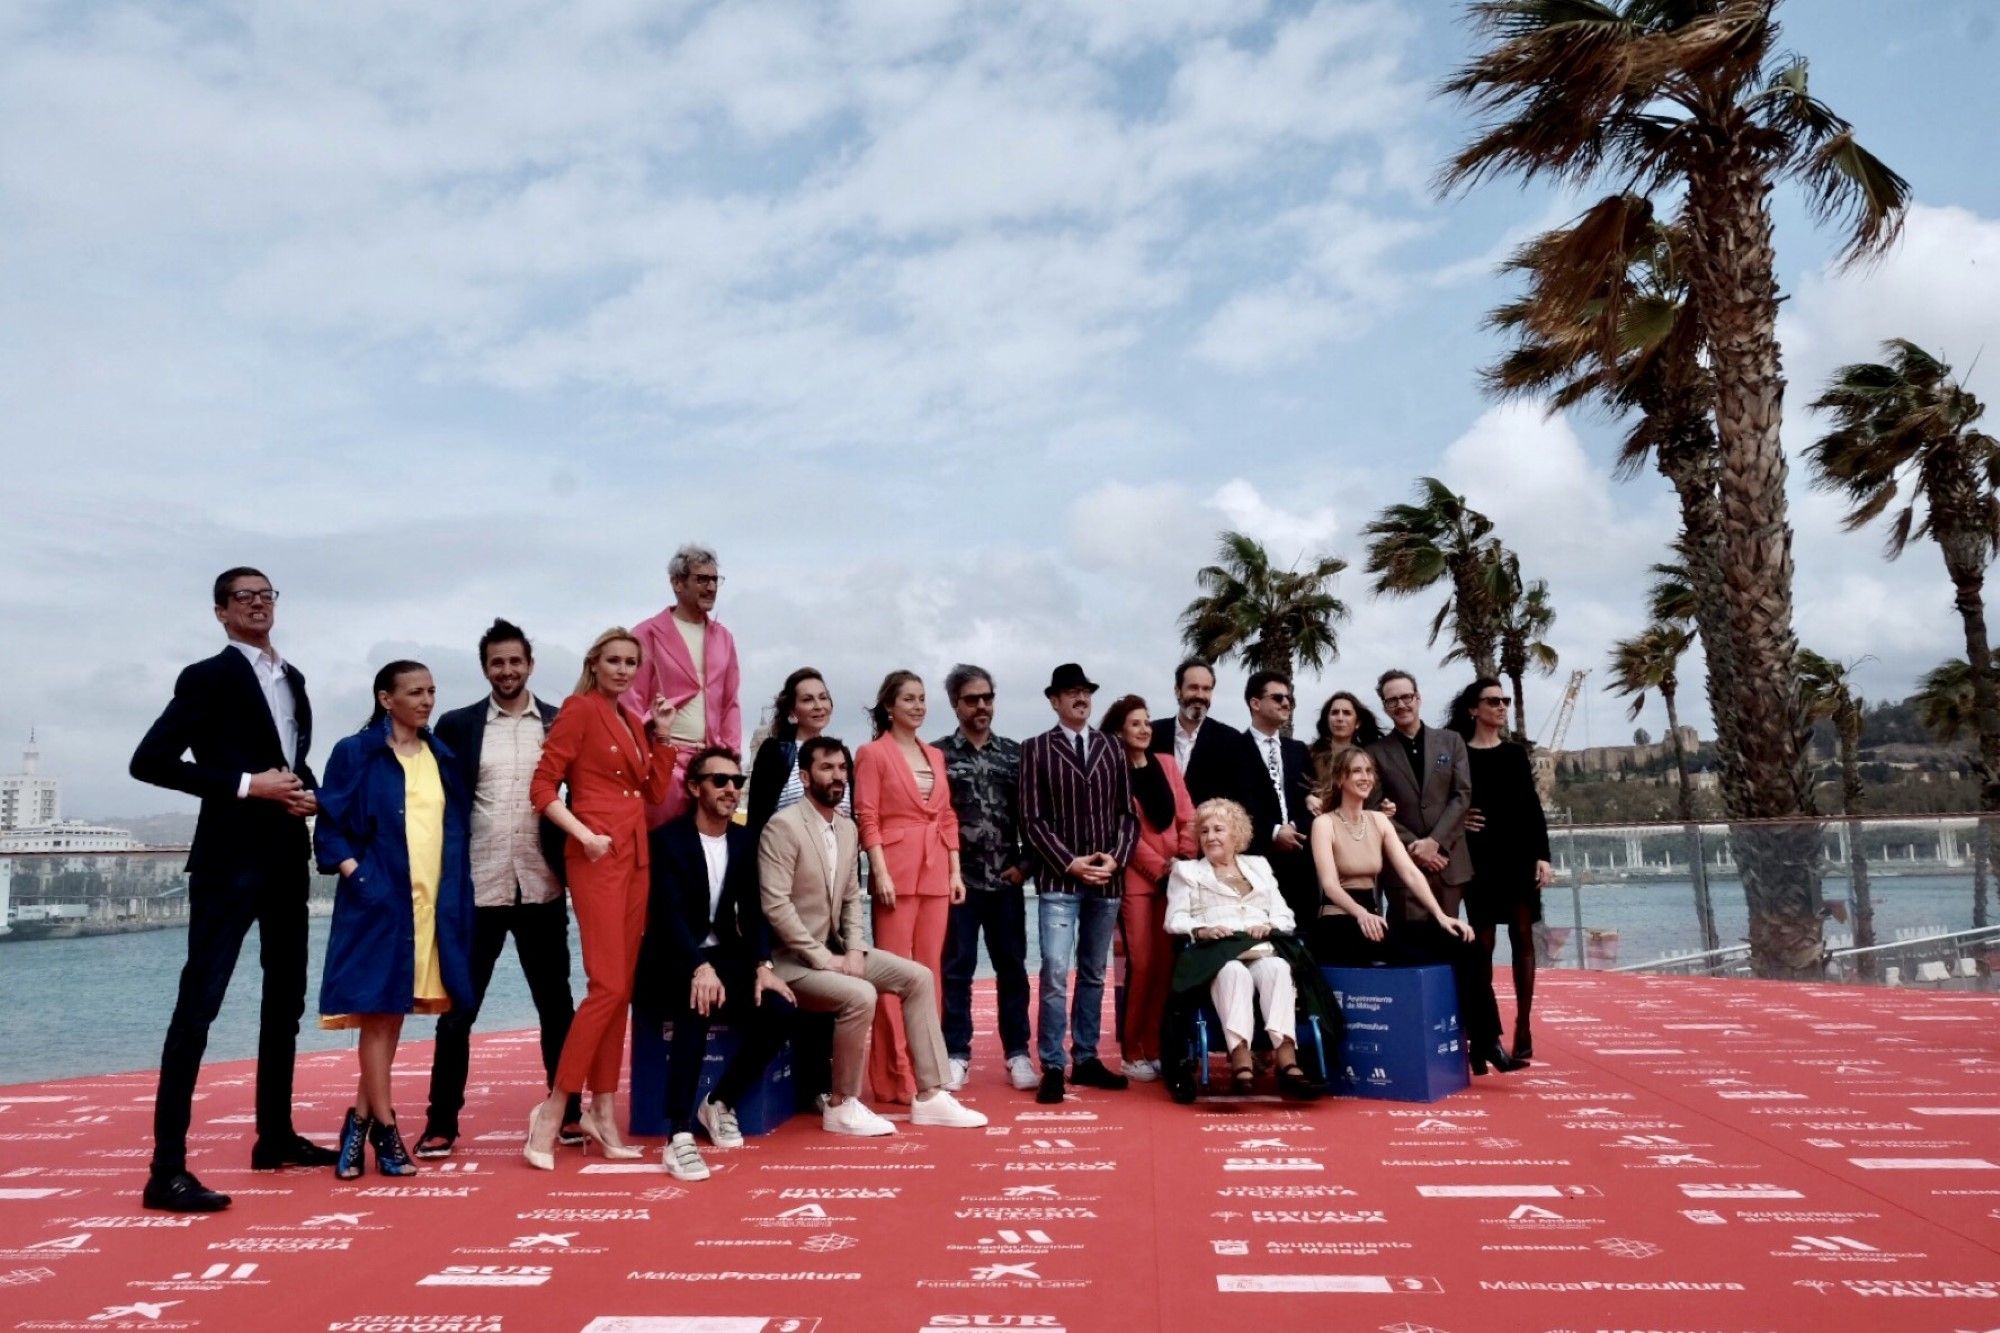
[
  {"x": 1491, "y": 1053},
  {"x": 1092, "y": 1074},
  {"x": 182, "y": 1193},
  {"x": 277, "y": 1154},
  {"x": 1051, "y": 1091}
]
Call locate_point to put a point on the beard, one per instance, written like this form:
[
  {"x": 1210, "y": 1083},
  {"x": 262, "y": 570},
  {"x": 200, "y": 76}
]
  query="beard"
[
  {"x": 1194, "y": 711},
  {"x": 830, "y": 794}
]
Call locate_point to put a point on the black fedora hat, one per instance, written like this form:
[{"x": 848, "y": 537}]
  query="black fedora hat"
[{"x": 1068, "y": 676}]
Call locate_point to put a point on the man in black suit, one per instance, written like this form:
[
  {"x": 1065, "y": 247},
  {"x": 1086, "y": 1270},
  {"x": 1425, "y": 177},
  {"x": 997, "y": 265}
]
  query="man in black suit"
[
  {"x": 1275, "y": 777},
  {"x": 707, "y": 955},
  {"x": 517, "y": 875},
  {"x": 1209, "y": 752},
  {"x": 244, "y": 716}
]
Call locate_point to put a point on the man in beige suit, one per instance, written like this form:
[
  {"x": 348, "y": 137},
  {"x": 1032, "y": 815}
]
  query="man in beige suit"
[{"x": 808, "y": 870}]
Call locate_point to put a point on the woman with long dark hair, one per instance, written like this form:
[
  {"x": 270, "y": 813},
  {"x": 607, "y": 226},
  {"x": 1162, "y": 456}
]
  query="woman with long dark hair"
[
  {"x": 802, "y": 710},
  {"x": 394, "y": 822},
  {"x": 615, "y": 764},
  {"x": 1343, "y": 721},
  {"x": 1166, "y": 834},
  {"x": 1509, "y": 843},
  {"x": 909, "y": 831}
]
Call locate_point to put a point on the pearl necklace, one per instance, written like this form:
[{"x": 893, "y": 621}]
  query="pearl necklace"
[{"x": 1354, "y": 831}]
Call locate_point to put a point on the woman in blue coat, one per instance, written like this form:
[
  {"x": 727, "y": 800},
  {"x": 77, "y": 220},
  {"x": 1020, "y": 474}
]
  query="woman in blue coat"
[{"x": 394, "y": 818}]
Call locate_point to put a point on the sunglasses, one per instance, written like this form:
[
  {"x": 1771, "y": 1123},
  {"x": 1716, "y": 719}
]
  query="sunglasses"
[
  {"x": 975, "y": 698},
  {"x": 721, "y": 780},
  {"x": 1500, "y": 699}
]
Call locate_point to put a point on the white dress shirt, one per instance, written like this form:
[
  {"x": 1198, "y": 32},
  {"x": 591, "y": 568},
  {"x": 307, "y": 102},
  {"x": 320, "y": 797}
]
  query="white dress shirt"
[
  {"x": 506, "y": 840},
  {"x": 270, "y": 669},
  {"x": 1184, "y": 742}
]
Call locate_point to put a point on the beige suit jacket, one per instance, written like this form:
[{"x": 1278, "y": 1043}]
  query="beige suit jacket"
[{"x": 801, "y": 901}]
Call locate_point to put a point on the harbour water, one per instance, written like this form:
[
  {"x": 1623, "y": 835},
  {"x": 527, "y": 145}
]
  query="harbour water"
[{"x": 100, "y": 1004}]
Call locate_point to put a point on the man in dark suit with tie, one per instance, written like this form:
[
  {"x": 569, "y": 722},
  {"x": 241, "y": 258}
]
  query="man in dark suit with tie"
[
  {"x": 1275, "y": 777},
  {"x": 517, "y": 877},
  {"x": 1209, "y": 752},
  {"x": 707, "y": 956},
  {"x": 1427, "y": 773},
  {"x": 1076, "y": 814},
  {"x": 244, "y": 717}
]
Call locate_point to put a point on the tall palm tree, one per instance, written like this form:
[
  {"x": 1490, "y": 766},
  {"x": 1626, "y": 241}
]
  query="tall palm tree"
[
  {"x": 1271, "y": 618},
  {"x": 1650, "y": 660},
  {"x": 1903, "y": 429},
  {"x": 1946, "y": 708},
  {"x": 1827, "y": 687},
  {"x": 1693, "y": 95},
  {"x": 1442, "y": 539},
  {"x": 1605, "y": 318},
  {"x": 1526, "y": 615}
]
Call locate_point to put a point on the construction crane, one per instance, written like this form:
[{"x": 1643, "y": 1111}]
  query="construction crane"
[{"x": 1544, "y": 758}]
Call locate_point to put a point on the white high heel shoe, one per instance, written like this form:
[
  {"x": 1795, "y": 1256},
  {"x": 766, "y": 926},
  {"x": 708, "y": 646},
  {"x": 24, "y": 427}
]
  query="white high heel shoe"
[
  {"x": 594, "y": 1132},
  {"x": 538, "y": 1158}
]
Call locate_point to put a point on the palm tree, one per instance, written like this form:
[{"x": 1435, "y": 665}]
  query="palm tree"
[
  {"x": 1526, "y": 616},
  {"x": 1827, "y": 687},
  {"x": 1605, "y": 318},
  {"x": 1691, "y": 94},
  {"x": 1650, "y": 660},
  {"x": 1441, "y": 538},
  {"x": 1904, "y": 429},
  {"x": 1946, "y": 708},
  {"x": 1272, "y": 619}
]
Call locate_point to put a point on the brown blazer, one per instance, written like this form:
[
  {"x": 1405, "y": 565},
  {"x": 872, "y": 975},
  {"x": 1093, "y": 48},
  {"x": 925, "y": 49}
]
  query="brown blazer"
[
  {"x": 1433, "y": 806},
  {"x": 800, "y": 902}
]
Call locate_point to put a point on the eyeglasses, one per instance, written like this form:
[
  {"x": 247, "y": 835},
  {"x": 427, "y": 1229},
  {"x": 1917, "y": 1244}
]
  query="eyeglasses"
[
  {"x": 1282, "y": 700},
  {"x": 721, "y": 780},
  {"x": 1500, "y": 699},
  {"x": 245, "y": 596},
  {"x": 1397, "y": 700},
  {"x": 705, "y": 580},
  {"x": 976, "y": 698}
]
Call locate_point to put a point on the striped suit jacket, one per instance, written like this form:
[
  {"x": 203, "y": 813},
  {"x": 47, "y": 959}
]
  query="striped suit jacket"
[{"x": 1072, "y": 807}]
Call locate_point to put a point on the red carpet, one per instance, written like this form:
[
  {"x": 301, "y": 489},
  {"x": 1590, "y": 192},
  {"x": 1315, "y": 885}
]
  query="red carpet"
[{"x": 1685, "y": 1155}]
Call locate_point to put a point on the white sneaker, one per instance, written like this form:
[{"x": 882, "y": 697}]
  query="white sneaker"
[
  {"x": 1142, "y": 1071},
  {"x": 682, "y": 1160},
  {"x": 959, "y": 1070},
  {"x": 851, "y": 1117},
  {"x": 1021, "y": 1073},
  {"x": 720, "y": 1122},
  {"x": 941, "y": 1108}
]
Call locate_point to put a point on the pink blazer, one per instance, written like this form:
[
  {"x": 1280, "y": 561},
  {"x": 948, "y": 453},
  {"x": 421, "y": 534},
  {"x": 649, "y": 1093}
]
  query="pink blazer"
[
  {"x": 666, "y": 669},
  {"x": 1157, "y": 849},
  {"x": 916, "y": 835}
]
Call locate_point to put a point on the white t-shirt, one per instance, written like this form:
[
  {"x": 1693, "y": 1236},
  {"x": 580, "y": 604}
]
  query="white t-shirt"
[
  {"x": 691, "y": 722},
  {"x": 716, "y": 851}
]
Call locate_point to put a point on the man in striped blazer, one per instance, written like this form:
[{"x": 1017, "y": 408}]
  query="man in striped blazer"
[{"x": 1076, "y": 814}]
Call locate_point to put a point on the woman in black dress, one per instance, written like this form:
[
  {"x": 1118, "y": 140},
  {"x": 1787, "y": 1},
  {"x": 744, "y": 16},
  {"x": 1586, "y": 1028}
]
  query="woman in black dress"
[{"x": 1510, "y": 847}]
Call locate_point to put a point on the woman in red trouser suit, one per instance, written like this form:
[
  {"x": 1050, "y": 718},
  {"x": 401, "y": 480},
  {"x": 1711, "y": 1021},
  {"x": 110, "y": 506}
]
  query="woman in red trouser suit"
[
  {"x": 902, "y": 804},
  {"x": 615, "y": 764},
  {"x": 1166, "y": 833}
]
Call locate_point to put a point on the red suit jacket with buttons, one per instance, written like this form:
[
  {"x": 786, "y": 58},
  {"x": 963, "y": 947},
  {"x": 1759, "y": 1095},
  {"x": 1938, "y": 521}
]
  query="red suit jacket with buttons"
[{"x": 613, "y": 769}]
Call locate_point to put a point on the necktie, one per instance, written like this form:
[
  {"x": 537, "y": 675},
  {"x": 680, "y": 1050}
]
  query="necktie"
[
  {"x": 1272, "y": 762},
  {"x": 1082, "y": 756}
]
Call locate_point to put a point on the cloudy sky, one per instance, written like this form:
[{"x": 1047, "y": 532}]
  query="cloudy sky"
[{"x": 960, "y": 330}]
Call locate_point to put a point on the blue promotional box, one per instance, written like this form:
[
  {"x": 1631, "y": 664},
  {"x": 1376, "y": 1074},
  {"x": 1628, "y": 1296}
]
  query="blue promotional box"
[
  {"x": 767, "y": 1105},
  {"x": 1402, "y": 1040}
]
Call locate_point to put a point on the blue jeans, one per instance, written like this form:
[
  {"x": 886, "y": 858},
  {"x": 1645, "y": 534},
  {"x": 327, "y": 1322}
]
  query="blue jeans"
[{"x": 1072, "y": 926}]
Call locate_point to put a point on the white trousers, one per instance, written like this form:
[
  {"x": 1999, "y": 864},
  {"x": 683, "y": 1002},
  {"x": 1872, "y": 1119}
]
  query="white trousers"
[{"x": 1267, "y": 981}]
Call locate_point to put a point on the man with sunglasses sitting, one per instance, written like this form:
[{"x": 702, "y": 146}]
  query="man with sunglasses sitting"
[{"x": 707, "y": 957}]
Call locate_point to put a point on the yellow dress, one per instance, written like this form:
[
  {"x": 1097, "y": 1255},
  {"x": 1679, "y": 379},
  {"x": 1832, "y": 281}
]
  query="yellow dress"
[{"x": 423, "y": 828}]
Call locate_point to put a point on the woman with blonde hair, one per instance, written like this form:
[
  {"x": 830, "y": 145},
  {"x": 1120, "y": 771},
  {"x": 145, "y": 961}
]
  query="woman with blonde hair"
[
  {"x": 1351, "y": 846},
  {"x": 1243, "y": 953},
  {"x": 615, "y": 763}
]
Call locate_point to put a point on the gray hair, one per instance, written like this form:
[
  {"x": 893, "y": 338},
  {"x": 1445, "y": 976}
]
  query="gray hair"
[
  {"x": 687, "y": 558},
  {"x": 963, "y": 675}
]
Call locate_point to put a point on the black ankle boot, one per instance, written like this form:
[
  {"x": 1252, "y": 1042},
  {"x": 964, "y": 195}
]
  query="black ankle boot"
[
  {"x": 353, "y": 1136},
  {"x": 391, "y": 1158},
  {"x": 1490, "y": 1052}
]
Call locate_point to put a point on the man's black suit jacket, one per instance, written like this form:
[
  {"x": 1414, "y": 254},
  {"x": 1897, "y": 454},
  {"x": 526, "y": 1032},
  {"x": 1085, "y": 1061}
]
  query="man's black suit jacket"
[
  {"x": 677, "y": 916},
  {"x": 1214, "y": 766},
  {"x": 463, "y": 731},
  {"x": 219, "y": 715},
  {"x": 1260, "y": 796}
]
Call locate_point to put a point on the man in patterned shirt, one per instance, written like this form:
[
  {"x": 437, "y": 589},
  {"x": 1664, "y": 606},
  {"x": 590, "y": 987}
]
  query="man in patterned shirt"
[{"x": 985, "y": 775}]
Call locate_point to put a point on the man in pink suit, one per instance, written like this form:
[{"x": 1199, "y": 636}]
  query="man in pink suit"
[{"x": 691, "y": 660}]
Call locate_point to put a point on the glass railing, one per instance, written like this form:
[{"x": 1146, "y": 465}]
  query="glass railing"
[{"x": 1896, "y": 900}]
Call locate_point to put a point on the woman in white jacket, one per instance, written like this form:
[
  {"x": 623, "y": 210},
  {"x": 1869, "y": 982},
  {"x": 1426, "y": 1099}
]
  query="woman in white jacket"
[{"x": 1227, "y": 896}]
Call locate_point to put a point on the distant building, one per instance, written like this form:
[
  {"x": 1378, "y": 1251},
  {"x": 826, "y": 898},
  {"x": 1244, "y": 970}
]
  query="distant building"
[
  {"x": 31, "y": 815},
  {"x": 1613, "y": 759}
]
